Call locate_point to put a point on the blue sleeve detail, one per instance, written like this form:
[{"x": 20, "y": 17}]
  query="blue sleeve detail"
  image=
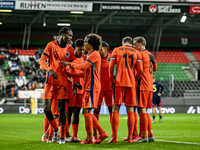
[
  {"x": 89, "y": 61},
  {"x": 112, "y": 58},
  {"x": 45, "y": 54}
]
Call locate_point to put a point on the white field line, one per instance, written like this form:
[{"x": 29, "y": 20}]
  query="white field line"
[{"x": 172, "y": 141}]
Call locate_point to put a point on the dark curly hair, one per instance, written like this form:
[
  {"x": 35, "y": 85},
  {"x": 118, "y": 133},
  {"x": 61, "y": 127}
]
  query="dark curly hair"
[
  {"x": 64, "y": 30},
  {"x": 95, "y": 40}
]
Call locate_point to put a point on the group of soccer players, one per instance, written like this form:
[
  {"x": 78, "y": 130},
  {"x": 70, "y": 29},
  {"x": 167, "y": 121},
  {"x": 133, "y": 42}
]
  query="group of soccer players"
[{"x": 76, "y": 80}]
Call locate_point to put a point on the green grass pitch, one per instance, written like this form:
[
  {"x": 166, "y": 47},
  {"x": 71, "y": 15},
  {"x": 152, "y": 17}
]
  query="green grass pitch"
[{"x": 177, "y": 132}]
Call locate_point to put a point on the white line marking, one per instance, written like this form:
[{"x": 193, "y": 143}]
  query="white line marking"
[
  {"x": 178, "y": 142},
  {"x": 173, "y": 141}
]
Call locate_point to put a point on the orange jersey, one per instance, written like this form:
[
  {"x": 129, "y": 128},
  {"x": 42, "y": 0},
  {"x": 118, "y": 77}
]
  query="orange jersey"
[
  {"x": 50, "y": 59},
  {"x": 126, "y": 59},
  {"x": 78, "y": 60},
  {"x": 105, "y": 80},
  {"x": 92, "y": 66},
  {"x": 146, "y": 80}
]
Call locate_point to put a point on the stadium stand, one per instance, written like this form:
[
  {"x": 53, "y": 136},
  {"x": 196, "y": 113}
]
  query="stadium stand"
[{"x": 196, "y": 53}]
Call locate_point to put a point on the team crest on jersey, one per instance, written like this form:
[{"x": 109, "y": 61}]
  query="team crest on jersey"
[{"x": 67, "y": 54}]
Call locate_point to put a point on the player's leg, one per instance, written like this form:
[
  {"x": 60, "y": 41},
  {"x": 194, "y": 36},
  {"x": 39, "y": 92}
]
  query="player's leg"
[
  {"x": 142, "y": 104},
  {"x": 70, "y": 112},
  {"x": 159, "y": 108},
  {"x": 160, "y": 113},
  {"x": 154, "y": 114},
  {"x": 96, "y": 112},
  {"x": 75, "y": 124},
  {"x": 48, "y": 113},
  {"x": 130, "y": 122},
  {"x": 46, "y": 126},
  {"x": 88, "y": 125},
  {"x": 130, "y": 102},
  {"x": 76, "y": 113},
  {"x": 102, "y": 134},
  {"x": 109, "y": 103},
  {"x": 149, "y": 127},
  {"x": 62, "y": 119},
  {"x": 119, "y": 95},
  {"x": 154, "y": 109}
]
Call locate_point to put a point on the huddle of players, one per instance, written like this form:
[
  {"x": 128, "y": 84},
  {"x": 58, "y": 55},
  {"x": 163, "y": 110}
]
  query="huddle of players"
[{"x": 135, "y": 68}]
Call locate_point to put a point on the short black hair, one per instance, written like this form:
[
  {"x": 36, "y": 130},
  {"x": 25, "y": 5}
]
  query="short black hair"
[
  {"x": 64, "y": 30},
  {"x": 127, "y": 39},
  {"x": 95, "y": 40},
  {"x": 79, "y": 42},
  {"x": 140, "y": 39},
  {"x": 104, "y": 44}
]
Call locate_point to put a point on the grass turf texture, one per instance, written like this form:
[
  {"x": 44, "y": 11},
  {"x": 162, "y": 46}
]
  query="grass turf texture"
[{"x": 24, "y": 131}]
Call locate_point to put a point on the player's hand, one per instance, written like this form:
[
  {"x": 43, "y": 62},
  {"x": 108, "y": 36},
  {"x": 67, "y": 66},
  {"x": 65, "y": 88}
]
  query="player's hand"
[
  {"x": 112, "y": 85},
  {"x": 69, "y": 74},
  {"x": 74, "y": 89},
  {"x": 78, "y": 86},
  {"x": 159, "y": 94},
  {"x": 152, "y": 58},
  {"x": 53, "y": 74},
  {"x": 63, "y": 63}
]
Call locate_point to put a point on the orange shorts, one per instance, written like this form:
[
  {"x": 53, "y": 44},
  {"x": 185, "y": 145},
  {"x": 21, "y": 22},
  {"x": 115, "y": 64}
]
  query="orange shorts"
[
  {"x": 126, "y": 94},
  {"x": 90, "y": 99},
  {"x": 54, "y": 107},
  {"x": 71, "y": 97},
  {"x": 108, "y": 98},
  {"x": 78, "y": 101},
  {"x": 55, "y": 91},
  {"x": 144, "y": 98}
]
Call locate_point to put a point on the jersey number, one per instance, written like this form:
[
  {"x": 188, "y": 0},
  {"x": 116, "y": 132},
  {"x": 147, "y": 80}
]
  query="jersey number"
[
  {"x": 150, "y": 68},
  {"x": 130, "y": 57},
  {"x": 154, "y": 88}
]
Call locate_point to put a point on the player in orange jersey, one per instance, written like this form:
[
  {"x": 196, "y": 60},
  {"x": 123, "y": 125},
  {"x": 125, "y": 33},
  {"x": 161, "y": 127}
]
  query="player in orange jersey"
[
  {"x": 56, "y": 79},
  {"x": 75, "y": 97},
  {"x": 92, "y": 86},
  {"x": 127, "y": 60},
  {"x": 145, "y": 90},
  {"x": 106, "y": 91}
]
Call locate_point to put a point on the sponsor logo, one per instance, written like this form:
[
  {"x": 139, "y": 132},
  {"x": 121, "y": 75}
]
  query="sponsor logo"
[
  {"x": 164, "y": 110},
  {"x": 195, "y": 9},
  {"x": 60, "y": 6},
  {"x": 192, "y": 110},
  {"x": 152, "y": 8},
  {"x": 1, "y": 110},
  {"x": 120, "y": 7},
  {"x": 163, "y": 9},
  {"x": 7, "y": 4},
  {"x": 23, "y": 110}
]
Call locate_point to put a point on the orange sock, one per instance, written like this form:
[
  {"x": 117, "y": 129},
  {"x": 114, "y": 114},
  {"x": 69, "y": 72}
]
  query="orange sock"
[
  {"x": 115, "y": 123},
  {"x": 97, "y": 125},
  {"x": 46, "y": 124},
  {"x": 67, "y": 128},
  {"x": 53, "y": 123},
  {"x": 94, "y": 130},
  {"x": 74, "y": 130},
  {"x": 143, "y": 123},
  {"x": 62, "y": 131},
  {"x": 130, "y": 122},
  {"x": 51, "y": 132},
  {"x": 135, "y": 132},
  {"x": 88, "y": 125},
  {"x": 150, "y": 130}
]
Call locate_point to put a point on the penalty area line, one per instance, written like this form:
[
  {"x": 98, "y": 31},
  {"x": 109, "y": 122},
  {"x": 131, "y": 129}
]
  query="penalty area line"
[{"x": 178, "y": 142}]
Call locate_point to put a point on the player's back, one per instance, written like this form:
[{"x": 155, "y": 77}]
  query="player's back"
[
  {"x": 125, "y": 58},
  {"x": 146, "y": 82}
]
